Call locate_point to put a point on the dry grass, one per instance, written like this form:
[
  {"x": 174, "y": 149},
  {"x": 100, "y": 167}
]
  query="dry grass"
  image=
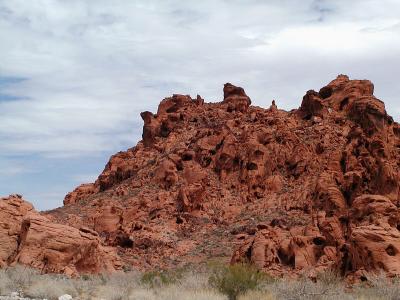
[
  {"x": 5, "y": 283},
  {"x": 189, "y": 285}
]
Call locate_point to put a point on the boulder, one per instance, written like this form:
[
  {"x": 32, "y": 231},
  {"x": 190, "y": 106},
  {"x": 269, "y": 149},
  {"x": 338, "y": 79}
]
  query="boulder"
[{"x": 32, "y": 239}]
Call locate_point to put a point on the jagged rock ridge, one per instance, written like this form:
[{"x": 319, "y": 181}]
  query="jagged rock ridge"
[{"x": 311, "y": 189}]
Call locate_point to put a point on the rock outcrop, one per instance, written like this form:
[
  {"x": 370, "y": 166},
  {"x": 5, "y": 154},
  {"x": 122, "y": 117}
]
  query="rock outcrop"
[
  {"x": 353, "y": 197},
  {"x": 312, "y": 189},
  {"x": 28, "y": 238}
]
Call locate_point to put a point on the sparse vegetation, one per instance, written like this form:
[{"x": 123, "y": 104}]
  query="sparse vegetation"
[
  {"x": 235, "y": 280},
  {"x": 218, "y": 282},
  {"x": 160, "y": 278}
]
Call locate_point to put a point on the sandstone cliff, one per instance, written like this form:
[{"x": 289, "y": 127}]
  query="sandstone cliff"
[{"x": 311, "y": 189}]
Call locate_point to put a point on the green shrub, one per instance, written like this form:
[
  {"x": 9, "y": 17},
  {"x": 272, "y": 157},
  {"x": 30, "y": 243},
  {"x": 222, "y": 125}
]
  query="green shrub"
[{"x": 235, "y": 280}]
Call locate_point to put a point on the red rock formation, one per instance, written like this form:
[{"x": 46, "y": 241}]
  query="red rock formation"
[
  {"x": 236, "y": 98},
  {"x": 28, "y": 238},
  {"x": 311, "y": 189},
  {"x": 356, "y": 193}
]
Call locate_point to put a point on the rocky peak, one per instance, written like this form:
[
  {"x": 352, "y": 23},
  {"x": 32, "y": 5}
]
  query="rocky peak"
[
  {"x": 236, "y": 98},
  {"x": 352, "y": 99},
  {"x": 311, "y": 189}
]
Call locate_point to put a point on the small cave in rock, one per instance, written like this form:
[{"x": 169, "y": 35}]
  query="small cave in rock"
[
  {"x": 307, "y": 209},
  {"x": 179, "y": 166},
  {"x": 251, "y": 166},
  {"x": 179, "y": 220},
  {"x": 391, "y": 250},
  {"x": 347, "y": 197},
  {"x": 248, "y": 254},
  {"x": 344, "y": 220},
  {"x": 325, "y": 92},
  {"x": 137, "y": 227},
  {"x": 26, "y": 224},
  {"x": 286, "y": 260},
  {"x": 343, "y": 164},
  {"x": 164, "y": 130},
  {"x": 319, "y": 241},
  {"x": 236, "y": 162},
  {"x": 330, "y": 213},
  {"x": 124, "y": 241},
  {"x": 319, "y": 148},
  {"x": 308, "y": 117},
  {"x": 344, "y": 103},
  {"x": 187, "y": 156},
  {"x": 258, "y": 153}
]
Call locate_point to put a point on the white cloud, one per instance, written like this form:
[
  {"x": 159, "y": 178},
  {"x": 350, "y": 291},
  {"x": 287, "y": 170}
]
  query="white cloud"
[{"x": 92, "y": 66}]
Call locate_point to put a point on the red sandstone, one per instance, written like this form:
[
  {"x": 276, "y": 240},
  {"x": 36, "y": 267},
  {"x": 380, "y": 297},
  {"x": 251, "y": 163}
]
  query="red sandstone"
[{"x": 307, "y": 190}]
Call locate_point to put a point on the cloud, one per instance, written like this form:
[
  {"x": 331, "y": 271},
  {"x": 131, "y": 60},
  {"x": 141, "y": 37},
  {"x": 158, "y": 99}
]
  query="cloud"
[{"x": 75, "y": 75}]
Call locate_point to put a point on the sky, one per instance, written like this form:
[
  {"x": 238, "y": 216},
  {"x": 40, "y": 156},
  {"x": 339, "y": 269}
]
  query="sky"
[{"x": 74, "y": 75}]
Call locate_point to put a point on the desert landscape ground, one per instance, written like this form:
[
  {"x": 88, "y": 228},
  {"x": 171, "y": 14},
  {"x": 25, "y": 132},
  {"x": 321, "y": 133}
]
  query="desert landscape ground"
[{"x": 225, "y": 200}]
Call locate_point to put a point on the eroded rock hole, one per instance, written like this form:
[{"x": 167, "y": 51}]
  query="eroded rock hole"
[
  {"x": 308, "y": 117},
  {"x": 258, "y": 153},
  {"x": 179, "y": 166},
  {"x": 344, "y": 103},
  {"x": 252, "y": 166},
  {"x": 289, "y": 261},
  {"x": 391, "y": 250},
  {"x": 137, "y": 227},
  {"x": 343, "y": 164},
  {"x": 325, "y": 92},
  {"x": 124, "y": 241},
  {"x": 187, "y": 157},
  {"x": 164, "y": 131}
]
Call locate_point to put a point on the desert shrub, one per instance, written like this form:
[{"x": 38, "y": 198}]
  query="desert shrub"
[
  {"x": 173, "y": 292},
  {"x": 20, "y": 277},
  {"x": 160, "y": 278},
  {"x": 86, "y": 286},
  {"x": 329, "y": 278},
  {"x": 194, "y": 280},
  {"x": 378, "y": 286},
  {"x": 110, "y": 292},
  {"x": 327, "y": 286},
  {"x": 50, "y": 287},
  {"x": 235, "y": 280},
  {"x": 118, "y": 286},
  {"x": 5, "y": 283},
  {"x": 257, "y": 295}
]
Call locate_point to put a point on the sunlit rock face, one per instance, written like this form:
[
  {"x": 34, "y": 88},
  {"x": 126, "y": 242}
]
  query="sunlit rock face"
[{"x": 312, "y": 189}]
